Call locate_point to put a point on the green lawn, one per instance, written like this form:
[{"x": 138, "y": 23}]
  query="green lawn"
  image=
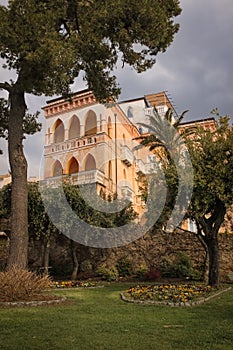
[{"x": 98, "y": 319}]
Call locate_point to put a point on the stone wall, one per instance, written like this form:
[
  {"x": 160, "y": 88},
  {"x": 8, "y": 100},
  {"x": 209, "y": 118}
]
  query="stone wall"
[{"x": 146, "y": 251}]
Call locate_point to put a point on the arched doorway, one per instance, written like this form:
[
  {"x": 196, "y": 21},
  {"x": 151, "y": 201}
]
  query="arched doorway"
[
  {"x": 74, "y": 129},
  {"x": 59, "y": 131},
  {"x": 90, "y": 163},
  {"x": 91, "y": 124},
  {"x": 73, "y": 166},
  {"x": 57, "y": 169}
]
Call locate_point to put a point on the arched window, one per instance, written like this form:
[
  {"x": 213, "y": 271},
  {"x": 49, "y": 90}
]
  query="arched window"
[
  {"x": 91, "y": 123},
  {"x": 73, "y": 166},
  {"x": 109, "y": 127},
  {"x": 124, "y": 174},
  {"x": 57, "y": 169},
  {"x": 90, "y": 163},
  {"x": 59, "y": 131},
  {"x": 123, "y": 136},
  {"x": 74, "y": 129}
]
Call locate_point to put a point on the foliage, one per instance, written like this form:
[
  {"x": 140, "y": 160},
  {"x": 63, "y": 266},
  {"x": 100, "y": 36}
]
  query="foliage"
[
  {"x": 21, "y": 285},
  {"x": 181, "y": 293},
  {"x": 124, "y": 267},
  {"x": 211, "y": 153},
  {"x": 53, "y": 41},
  {"x": 181, "y": 266},
  {"x": 212, "y": 159},
  {"x": 164, "y": 140},
  {"x": 5, "y": 201},
  {"x": 107, "y": 273},
  {"x": 30, "y": 121},
  {"x": 141, "y": 272},
  {"x": 153, "y": 274},
  {"x": 72, "y": 284},
  {"x": 49, "y": 43}
]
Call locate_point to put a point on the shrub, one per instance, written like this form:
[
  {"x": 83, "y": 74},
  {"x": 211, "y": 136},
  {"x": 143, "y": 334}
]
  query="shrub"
[
  {"x": 85, "y": 266},
  {"x": 182, "y": 266},
  {"x": 108, "y": 274},
  {"x": 165, "y": 266},
  {"x": 142, "y": 272},
  {"x": 124, "y": 267},
  {"x": 22, "y": 285},
  {"x": 153, "y": 275}
]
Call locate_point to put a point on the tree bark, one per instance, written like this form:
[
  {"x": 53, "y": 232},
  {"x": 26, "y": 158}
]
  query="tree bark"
[
  {"x": 18, "y": 253},
  {"x": 74, "y": 260},
  {"x": 46, "y": 256},
  {"x": 210, "y": 226},
  {"x": 213, "y": 253}
]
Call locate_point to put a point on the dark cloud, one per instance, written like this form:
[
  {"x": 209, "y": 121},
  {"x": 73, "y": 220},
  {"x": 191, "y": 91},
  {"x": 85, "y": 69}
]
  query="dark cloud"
[{"x": 196, "y": 70}]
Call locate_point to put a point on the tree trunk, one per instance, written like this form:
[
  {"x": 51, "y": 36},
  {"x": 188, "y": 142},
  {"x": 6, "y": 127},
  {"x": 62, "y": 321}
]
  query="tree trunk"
[
  {"x": 213, "y": 253},
  {"x": 75, "y": 261},
  {"x": 210, "y": 227},
  {"x": 46, "y": 256},
  {"x": 18, "y": 253}
]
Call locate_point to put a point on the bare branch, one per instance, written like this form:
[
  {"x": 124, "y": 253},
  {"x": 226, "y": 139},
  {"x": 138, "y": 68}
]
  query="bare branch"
[{"x": 5, "y": 86}]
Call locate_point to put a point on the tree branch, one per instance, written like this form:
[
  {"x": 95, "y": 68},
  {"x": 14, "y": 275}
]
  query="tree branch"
[{"x": 5, "y": 86}]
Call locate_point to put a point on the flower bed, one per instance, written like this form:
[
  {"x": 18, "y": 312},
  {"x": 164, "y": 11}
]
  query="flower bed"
[
  {"x": 170, "y": 294},
  {"x": 72, "y": 284}
]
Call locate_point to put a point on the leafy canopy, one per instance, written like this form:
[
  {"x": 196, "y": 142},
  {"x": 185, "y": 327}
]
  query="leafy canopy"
[
  {"x": 49, "y": 43},
  {"x": 212, "y": 158}
]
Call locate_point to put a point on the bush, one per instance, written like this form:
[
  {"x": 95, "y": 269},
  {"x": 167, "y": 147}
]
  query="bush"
[
  {"x": 22, "y": 285},
  {"x": 165, "y": 266},
  {"x": 153, "y": 275},
  {"x": 182, "y": 266},
  {"x": 124, "y": 267},
  {"x": 108, "y": 274},
  {"x": 85, "y": 266},
  {"x": 142, "y": 272}
]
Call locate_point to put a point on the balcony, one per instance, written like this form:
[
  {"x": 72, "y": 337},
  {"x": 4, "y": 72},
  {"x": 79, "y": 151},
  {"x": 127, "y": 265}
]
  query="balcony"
[
  {"x": 73, "y": 144},
  {"x": 126, "y": 191},
  {"x": 126, "y": 155},
  {"x": 139, "y": 166},
  {"x": 88, "y": 177},
  {"x": 81, "y": 178}
]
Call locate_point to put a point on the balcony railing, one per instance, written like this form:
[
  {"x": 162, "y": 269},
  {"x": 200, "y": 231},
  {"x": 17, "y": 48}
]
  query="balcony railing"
[
  {"x": 72, "y": 144},
  {"x": 81, "y": 178},
  {"x": 126, "y": 191},
  {"x": 126, "y": 155},
  {"x": 139, "y": 166}
]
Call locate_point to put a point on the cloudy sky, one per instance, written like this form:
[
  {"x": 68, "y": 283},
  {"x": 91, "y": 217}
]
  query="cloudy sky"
[{"x": 196, "y": 71}]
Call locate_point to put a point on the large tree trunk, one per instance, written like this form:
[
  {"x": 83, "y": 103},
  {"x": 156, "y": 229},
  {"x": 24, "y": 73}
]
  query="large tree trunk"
[
  {"x": 210, "y": 226},
  {"x": 18, "y": 253},
  {"x": 213, "y": 253},
  {"x": 74, "y": 260}
]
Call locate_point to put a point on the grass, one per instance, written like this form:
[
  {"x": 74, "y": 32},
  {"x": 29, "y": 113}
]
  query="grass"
[{"x": 97, "y": 319}]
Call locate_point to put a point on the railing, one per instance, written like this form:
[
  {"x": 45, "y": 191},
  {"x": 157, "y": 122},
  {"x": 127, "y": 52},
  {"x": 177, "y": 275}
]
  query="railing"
[
  {"x": 72, "y": 144},
  {"x": 81, "y": 178},
  {"x": 126, "y": 191},
  {"x": 139, "y": 166},
  {"x": 126, "y": 155}
]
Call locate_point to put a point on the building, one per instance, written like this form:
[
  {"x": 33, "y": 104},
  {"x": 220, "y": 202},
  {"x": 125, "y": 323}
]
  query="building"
[
  {"x": 90, "y": 142},
  {"x": 5, "y": 180}
]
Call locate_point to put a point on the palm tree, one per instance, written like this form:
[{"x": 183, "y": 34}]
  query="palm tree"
[
  {"x": 166, "y": 140},
  {"x": 163, "y": 134}
]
